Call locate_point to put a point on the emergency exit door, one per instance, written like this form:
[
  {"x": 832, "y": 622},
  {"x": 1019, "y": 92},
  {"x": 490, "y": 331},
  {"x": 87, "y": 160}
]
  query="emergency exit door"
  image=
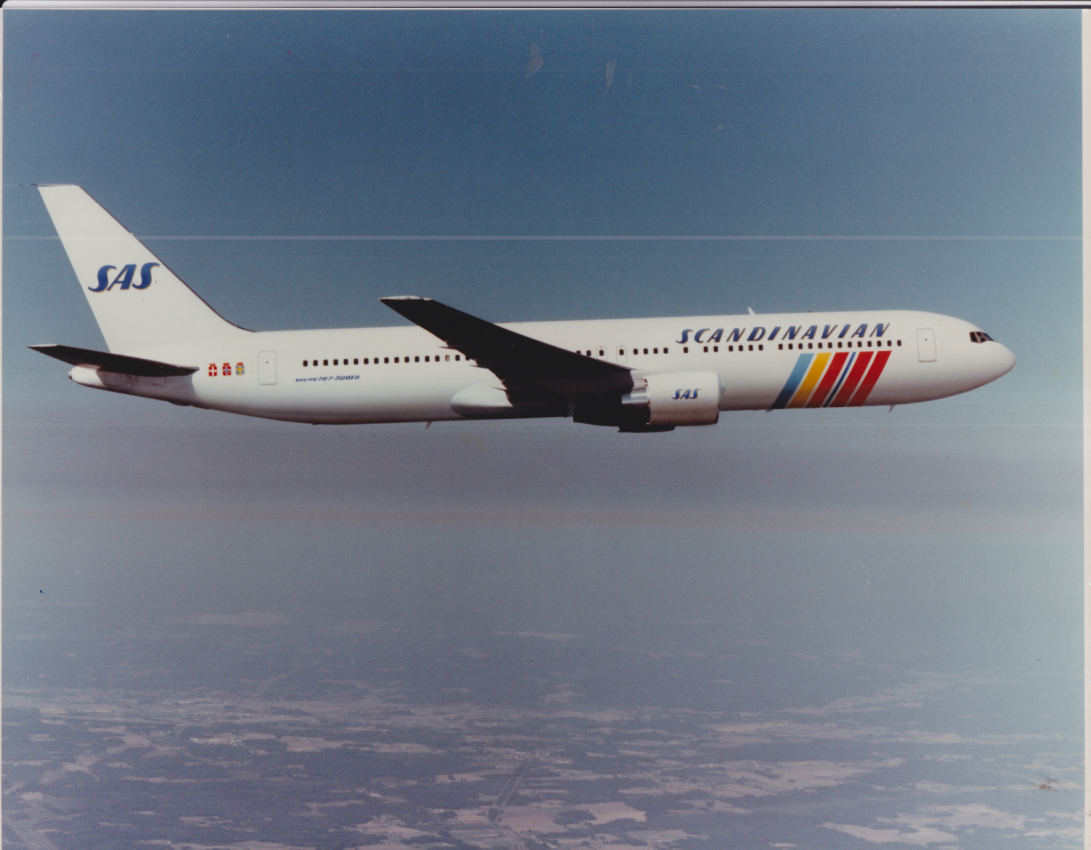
[
  {"x": 267, "y": 367},
  {"x": 926, "y": 345}
]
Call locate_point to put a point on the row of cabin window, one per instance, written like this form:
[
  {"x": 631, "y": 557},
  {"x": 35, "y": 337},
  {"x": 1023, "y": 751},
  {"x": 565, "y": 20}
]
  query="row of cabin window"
[
  {"x": 344, "y": 361},
  {"x": 716, "y": 348},
  {"x": 602, "y": 353},
  {"x": 621, "y": 351},
  {"x": 859, "y": 344}
]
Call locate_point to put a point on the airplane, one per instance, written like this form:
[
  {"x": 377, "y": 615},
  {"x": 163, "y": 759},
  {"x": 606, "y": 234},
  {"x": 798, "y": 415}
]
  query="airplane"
[{"x": 638, "y": 375}]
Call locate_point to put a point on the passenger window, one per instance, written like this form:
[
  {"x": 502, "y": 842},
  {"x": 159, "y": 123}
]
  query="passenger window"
[
  {"x": 334, "y": 361},
  {"x": 304, "y": 362},
  {"x": 447, "y": 357},
  {"x": 706, "y": 349},
  {"x": 685, "y": 349},
  {"x": 416, "y": 360},
  {"x": 750, "y": 347},
  {"x": 602, "y": 353},
  {"x": 781, "y": 346},
  {"x": 665, "y": 350},
  {"x": 715, "y": 348},
  {"x": 899, "y": 342},
  {"x": 655, "y": 351},
  {"x": 426, "y": 360},
  {"x": 457, "y": 357},
  {"x": 325, "y": 362}
]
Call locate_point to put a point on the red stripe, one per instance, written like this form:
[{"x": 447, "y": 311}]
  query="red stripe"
[
  {"x": 828, "y": 380},
  {"x": 872, "y": 376},
  {"x": 845, "y": 393}
]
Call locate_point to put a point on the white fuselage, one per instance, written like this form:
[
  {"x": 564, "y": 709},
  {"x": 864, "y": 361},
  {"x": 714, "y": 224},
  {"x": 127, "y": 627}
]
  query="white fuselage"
[{"x": 405, "y": 374}]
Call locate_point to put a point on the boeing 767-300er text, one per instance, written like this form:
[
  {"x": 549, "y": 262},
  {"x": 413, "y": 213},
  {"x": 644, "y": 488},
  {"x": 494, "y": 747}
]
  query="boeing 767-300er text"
[{"x": 634, "y": 374}]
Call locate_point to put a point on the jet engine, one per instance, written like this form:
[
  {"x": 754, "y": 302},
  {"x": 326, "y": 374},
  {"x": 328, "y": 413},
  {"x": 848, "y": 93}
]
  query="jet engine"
[{"x": 678, "y": 398}]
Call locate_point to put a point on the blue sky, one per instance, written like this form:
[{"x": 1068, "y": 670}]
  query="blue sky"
[
  {"x": 944, "y": 534},
  {"x": 781, "y": 123}
]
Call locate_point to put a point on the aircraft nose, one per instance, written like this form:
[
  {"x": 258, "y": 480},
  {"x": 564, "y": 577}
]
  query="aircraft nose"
[{"x": 1003, "y": 359}]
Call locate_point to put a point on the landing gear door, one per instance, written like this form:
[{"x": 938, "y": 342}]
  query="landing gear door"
[
  {"x": 267, "y": 367},
  {"x": 926, "y": 345}
]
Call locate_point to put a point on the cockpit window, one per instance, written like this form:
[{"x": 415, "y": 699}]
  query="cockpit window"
[{"x": 980, "y": 336}]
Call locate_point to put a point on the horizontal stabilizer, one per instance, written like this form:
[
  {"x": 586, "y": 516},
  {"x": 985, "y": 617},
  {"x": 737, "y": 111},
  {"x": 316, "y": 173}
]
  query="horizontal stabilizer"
[
  {"x": 119, "y": 363},
  {"x": 516, "y": 359}
]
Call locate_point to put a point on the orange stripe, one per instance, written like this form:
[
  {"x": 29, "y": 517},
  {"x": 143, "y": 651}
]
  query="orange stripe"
[
  {"x": 827, "y": 382},
  {"x": 813, "y": 374}
]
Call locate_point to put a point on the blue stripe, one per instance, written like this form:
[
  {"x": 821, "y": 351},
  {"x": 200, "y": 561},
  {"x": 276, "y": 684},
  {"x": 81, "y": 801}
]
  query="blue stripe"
[
  {"x": 794, "y": 380},
  {"x": 840, "y": 381}
]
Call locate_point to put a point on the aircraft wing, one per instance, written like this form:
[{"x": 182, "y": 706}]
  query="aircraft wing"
[
  {"x": 120, "y": 363},
  {"x": 516, "y": 359}
]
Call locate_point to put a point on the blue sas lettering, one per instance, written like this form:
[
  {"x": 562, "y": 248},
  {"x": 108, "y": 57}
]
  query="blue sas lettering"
[
  {"x": 124, "y": 278},
  {"x": 678, "y": 394}
]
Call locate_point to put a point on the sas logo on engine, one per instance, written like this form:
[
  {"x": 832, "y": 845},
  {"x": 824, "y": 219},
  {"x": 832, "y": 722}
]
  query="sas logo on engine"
[
  {"x": 679, "y": 394},
  {"x": 124, "y": 278}
]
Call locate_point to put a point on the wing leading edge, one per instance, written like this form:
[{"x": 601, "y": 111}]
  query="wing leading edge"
[{"x": 521, "y": 362}]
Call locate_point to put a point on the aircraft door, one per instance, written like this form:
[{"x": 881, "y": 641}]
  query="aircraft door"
[
  {"x": 926, "y": 345},
  {"x": 267, "y": 367},
  {"x": 621, "y": 356}
]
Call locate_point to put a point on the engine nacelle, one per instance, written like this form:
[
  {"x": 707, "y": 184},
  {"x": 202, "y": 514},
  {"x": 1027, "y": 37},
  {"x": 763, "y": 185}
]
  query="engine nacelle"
[{"x": 678, "y": 398}]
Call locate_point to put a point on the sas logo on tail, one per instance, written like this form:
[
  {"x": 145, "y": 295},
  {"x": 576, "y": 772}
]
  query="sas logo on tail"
[{"x": 123, "y": 278}]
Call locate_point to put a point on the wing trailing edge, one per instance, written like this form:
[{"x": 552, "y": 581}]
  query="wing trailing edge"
[{"x": 120, "y": 363}]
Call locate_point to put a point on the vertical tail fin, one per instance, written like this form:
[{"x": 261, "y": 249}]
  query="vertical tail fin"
[{"x": 138, "y": 302}]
